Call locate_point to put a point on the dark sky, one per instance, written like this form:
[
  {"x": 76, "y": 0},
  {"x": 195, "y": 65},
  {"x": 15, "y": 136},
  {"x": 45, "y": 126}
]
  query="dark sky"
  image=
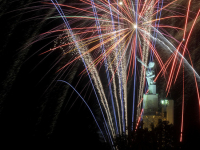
[
  {"x": 30, "y": 111},
  {"x": 36, "y": 110}
]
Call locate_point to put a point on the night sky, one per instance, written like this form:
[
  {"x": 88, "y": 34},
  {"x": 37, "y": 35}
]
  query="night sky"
[{"x": 36, "y": 109}]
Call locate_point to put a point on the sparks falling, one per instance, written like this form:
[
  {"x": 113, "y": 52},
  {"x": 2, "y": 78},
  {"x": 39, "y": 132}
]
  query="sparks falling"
[{"x": 121, "y": 37}]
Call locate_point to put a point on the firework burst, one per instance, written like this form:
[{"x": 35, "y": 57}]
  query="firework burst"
[{"x": 120, "y": 38}]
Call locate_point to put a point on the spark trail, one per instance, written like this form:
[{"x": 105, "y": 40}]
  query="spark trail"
[{"x": 109, "y": 37}]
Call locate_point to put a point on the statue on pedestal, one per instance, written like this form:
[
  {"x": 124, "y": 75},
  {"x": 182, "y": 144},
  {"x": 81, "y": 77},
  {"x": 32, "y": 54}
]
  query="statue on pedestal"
[{"x": 150, "y": 73}]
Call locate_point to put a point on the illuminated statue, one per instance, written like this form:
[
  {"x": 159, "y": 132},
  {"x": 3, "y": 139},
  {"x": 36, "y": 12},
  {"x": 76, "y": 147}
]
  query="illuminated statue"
[{"x": 150, "y": 73}]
